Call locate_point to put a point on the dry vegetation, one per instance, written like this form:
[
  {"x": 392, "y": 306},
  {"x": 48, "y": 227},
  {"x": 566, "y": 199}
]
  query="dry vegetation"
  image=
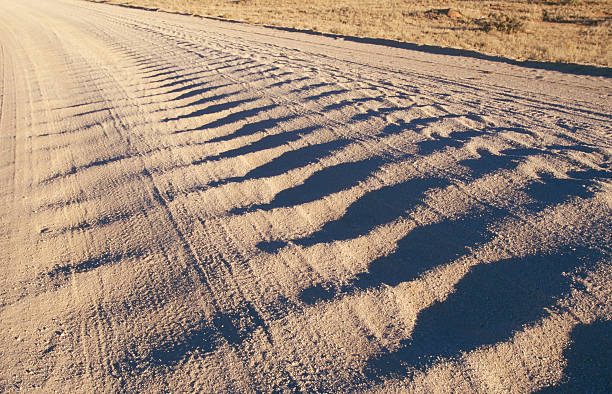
[{"x": 574, "y": 31}]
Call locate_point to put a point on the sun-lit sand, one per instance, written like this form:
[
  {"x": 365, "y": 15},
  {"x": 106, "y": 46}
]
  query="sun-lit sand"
[{"x": 196, "y": 205}]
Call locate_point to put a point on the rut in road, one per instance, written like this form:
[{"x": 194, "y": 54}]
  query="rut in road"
[{"x": 194, "y": 205}]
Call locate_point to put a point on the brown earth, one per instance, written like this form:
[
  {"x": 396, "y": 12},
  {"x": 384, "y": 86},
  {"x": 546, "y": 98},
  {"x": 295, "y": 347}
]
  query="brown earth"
[{"x": 194, "y": 205}]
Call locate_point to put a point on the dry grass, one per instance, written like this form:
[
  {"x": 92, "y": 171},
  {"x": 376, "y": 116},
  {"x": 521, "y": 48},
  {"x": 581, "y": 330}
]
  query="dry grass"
[{"x": 572, "y": 31}]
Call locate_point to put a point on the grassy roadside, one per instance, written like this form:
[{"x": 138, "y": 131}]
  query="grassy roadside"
[{"x": 568, "y": 31}]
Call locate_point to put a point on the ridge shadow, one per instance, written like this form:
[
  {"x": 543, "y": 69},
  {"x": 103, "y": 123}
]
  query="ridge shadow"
[
  {"x": 373, "y": 209},
  {"x": 211, "y": 109},
  {"x": 231, "y": 118},
  {"x": 267, "y": 142},
  {"x": 422, "y": 249},
  {"x": 489, "y": 305},
  {"x": 322, "y": 183},
  {"x": 288, "y": 161},
  {"x": 252, "y": 128},
  {"x": 588, "y": 360}
]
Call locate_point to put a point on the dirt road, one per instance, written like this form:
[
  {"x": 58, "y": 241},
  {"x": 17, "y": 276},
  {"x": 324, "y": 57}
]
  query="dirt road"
[{"x": 189, "y": 205}]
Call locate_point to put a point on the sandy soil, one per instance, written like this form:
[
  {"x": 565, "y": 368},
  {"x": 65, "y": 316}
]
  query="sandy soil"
[
  {"x": 190, "y": 205},
  {"x": 567, "y": 31}
]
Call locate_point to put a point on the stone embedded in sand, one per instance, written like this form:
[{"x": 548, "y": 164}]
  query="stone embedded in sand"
[{"x": 454, "y": 14}]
